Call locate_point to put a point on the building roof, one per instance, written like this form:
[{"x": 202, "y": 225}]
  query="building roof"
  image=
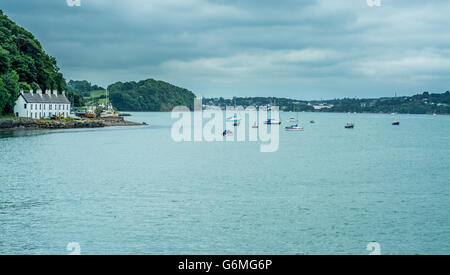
[{"x": 52, "y": 99}]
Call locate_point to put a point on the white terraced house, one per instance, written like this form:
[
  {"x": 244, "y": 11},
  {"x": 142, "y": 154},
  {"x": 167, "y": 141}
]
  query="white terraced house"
[{"x": 38, "y": 105}]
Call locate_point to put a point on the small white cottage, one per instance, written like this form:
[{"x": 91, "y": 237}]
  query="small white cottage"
[{"x": 38, "y": 105}]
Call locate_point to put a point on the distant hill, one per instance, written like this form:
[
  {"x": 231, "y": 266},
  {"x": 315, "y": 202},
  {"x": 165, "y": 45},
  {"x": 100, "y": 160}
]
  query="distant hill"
[
  {"x": 23, "y": 64},
  {"x": 83, "y": 87},
  {"x": 149, "y": 95},
  {"x": 424, "y": 103}
]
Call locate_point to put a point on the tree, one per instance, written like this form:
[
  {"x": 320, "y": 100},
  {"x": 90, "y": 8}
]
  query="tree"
[
  {"x": 24, "y": 86},
  {"x": 82, "y": 87},
  {"x": 149, "y": 95},
  {"x": 11, "y": 89},
  {"x": 4, "y": 95},
  {"x": 4, "y": 61},
  {"x": 77, "y": 99},
  {"x": 35, "y": 86},
  {"x": 23, "y": 63}
]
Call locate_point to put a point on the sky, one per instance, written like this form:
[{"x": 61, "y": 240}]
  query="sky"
[{"x": 303, "y": 49}]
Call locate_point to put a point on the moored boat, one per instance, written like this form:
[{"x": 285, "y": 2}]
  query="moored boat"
[
  {"x": 272, "y": 122},
  {"x": 294, "y": 127},
  {"x": 349, "y": 126},
  {"x": 227, "y": 133},
  {"x": 90, "y": 114},
  {"x": 109, "y": 113}
]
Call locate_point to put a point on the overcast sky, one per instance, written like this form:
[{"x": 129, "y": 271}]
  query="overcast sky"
[{"x": 305, "y": 49}]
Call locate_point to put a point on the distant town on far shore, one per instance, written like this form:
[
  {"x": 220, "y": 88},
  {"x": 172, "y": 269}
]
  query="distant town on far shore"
[{"x": 123, "y": 97}]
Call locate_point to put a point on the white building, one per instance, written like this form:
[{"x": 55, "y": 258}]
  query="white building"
[
  {"x": 322, "y": 106},
  {"x": 38, "y": 105}
]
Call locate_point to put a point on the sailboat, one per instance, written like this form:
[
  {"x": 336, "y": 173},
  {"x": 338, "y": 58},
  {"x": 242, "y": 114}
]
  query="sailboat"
[
  {"x": 235, "y": 119},
  {"x": 292, "y": 120},
  {"x": 236, "y": 122},
  {"x": 294, "y": 127},
  {"x": 397, "y": 121}
]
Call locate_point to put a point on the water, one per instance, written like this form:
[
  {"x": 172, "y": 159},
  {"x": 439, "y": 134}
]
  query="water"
[{"x": 327, "y": 190}]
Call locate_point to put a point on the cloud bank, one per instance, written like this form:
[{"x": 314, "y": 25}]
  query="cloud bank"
[{"x": 303, "y": 49}]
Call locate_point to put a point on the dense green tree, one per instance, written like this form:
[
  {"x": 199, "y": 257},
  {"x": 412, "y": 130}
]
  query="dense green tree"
[
  {"x": 4, "y": 61},
  {"x": 23, "y": 60},
  {"x": 77, "y": 100},
  {"x": 10, "y": 85},
  {"x": 149, "y": 95},
  {"x": 82, "y": 87},
  {"x": 24, "y": 86},
  {"x": 4, "y": 95},
  {"x": 35, "y": 86}
]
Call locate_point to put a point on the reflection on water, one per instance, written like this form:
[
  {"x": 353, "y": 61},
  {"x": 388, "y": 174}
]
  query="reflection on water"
[
  {"x": 32, "y": 133},
  {"x": 22, "y": 133},
  {"x": 20, "y": 205}
]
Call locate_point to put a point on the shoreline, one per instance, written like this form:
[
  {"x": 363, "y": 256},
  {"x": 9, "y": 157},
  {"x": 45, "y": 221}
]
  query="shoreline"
[
  {"x": 39, "y": 124},
  {"x": 318, "y": 112}
]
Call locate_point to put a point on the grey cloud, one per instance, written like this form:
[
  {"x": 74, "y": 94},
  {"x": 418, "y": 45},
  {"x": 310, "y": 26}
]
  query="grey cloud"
[{"x": 302, "y": 49}]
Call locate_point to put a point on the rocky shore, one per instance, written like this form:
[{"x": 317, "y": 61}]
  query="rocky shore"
[{"x": 33, "y": 124}]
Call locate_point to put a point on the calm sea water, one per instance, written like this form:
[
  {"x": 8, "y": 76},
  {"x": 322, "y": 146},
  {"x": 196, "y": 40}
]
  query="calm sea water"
[{"x": 327, "y": 190}]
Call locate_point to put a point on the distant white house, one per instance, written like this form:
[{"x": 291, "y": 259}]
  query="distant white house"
[
  {"x": 321, "y": 106},
  {"x": 38, "y": 105}
]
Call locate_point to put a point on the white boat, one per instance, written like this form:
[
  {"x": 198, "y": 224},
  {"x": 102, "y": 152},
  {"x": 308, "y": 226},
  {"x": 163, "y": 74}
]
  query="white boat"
[
  {"x": 109, "y": 113},
  {"x": 235, "y": 118},
  {"x": 294, "y": 127}
]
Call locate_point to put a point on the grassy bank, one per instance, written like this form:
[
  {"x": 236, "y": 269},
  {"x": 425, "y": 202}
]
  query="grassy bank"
[
  {"x": 96, "y": 98},
  {"x": 8, "y": 117}
]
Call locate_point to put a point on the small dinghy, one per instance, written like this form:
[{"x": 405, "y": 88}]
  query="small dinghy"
[
  {"x": 227, "y": 133},
  {"x": 349, "y": 126}
]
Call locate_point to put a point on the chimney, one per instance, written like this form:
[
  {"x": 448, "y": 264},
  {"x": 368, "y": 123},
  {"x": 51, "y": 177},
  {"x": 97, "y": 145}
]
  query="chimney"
[
  {"x": 21, "y": 91},
  {"x": 31, "y": 91},
  {"x": 64, "y": 93},
  {"x": 39, "y": 92},
  {"x": 47, "y": 92},
  {"x": 55, "y": 92}
]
